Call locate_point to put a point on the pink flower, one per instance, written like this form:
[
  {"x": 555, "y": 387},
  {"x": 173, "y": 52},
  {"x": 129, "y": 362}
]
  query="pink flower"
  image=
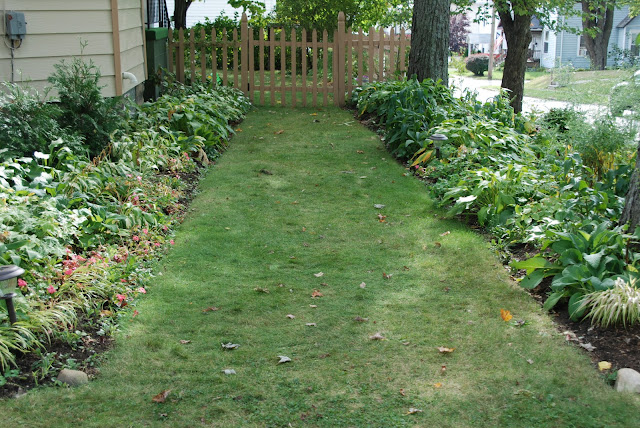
[
  {"x": 120, "y": 297},
  {"x": 142, "y": 290},
  {"x": 136, "y": 198},
  {"x": 22, "y": 282},
  {"x": 157, "y": 244},
  {"x": 172, "y": 242},
  {"x": 68, "y": 272},
  {"x": 51, "y": 289},
  {"x": 136, "y": 238},
  {"x": 145, "y": 231},
  {"x": 123, "y": 280},
  {"x": 139, "y": 178},
  {"x": 129, "y": 175},
  {"x": 135, "y": 313},
  {"x": 165, "y": 228}
]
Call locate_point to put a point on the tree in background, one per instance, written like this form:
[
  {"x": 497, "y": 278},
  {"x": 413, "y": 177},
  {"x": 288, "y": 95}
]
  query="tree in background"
[
  {"x": 429, "y": 54},
  {"x": 597, "y": 22},
  {"x": 458, "y": 30},
  {"x": 180, "y": 8}
]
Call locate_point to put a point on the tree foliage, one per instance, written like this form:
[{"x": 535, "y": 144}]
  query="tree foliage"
[{"x": 458, "y": 30}]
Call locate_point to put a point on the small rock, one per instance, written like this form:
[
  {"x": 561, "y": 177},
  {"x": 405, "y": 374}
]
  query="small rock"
[
  {"x": 73, "y": 377},
  {"x": 628, "y": 380}
]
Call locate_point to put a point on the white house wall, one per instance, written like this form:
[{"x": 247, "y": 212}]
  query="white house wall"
[{"x": 200, "y": 10}]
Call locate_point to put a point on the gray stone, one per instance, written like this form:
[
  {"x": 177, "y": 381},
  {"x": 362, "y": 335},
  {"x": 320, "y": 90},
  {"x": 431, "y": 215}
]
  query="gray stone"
[
  {"x": 73, "y": 377},
  {"x": 628, "y": 380}
]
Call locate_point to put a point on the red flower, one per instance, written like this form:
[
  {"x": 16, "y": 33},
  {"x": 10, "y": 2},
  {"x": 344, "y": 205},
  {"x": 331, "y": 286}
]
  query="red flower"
[
  {"x": 142, "y": 290},
  {"x": 22, "y": 282},
  {"x": 120, "y": 297},
  {"x": 51, "y": 289},
  {"x": 136, "y": 238}
]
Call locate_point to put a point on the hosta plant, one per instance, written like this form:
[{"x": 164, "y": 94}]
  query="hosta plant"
[{"x": 619, "y": 304}]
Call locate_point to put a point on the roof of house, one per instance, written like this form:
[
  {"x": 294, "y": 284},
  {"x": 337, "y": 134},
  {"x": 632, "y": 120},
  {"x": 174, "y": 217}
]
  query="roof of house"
[{"x": 627, "y": 19}]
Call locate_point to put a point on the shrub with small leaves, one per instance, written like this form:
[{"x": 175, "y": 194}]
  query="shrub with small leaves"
[{"x": 478, "y": 64}]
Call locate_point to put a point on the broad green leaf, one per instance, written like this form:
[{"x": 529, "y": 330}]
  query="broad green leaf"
[
  {"x": 552, "y": 300},
  {"x": 576, "y": 310},
  {"x": 536, "y": 262},
  {"x": 532, "y": 280}
]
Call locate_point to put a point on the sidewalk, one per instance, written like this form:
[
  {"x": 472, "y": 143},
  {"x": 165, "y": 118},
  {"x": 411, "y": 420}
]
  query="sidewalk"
[{"x": 529, "y": 104}]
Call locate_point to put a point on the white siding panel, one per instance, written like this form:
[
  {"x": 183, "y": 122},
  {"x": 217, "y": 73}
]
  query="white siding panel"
[
  {"x": 46, "y": 45},
  {"x": 56, "y": 5},
  {"x": 130, "y": 39},
  {"x": 69, "y": 22},
  {"x": 129, "y": 18},
  {"x": 131, "y": 58},
  {"x": 40, "y": 68}
]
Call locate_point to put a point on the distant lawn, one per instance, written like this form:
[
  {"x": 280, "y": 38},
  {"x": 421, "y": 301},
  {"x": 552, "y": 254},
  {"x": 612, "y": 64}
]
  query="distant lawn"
[{"x": 585, "y": 87}]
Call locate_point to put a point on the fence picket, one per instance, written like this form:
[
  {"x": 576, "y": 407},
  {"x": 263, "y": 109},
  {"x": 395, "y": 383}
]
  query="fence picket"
[
  {"x": 225, "y": 81},
  {"x": 283, "y": 64},
  {"x": 203, "y": 57},
  {"x": 171, "y": 53},
  {"x": 234, "y": 49},
  {"x": 294, "y": 57},
  {"x": 314, "y": 64},
  {"x": 245, "y": 51},
  {"x": 381, "y": 55},
  {"x": 349, "y": 37},
  {"x": 261, "y": 47},
  {"x": 403, "y": 50},
  {"x": 272, "y": 65},
  {"x": 192, "y": 55},
  {"x": 303, "y": 53},
  {"x": 214, "y": 57},
  {"x": 180, "y": 66},
  {"x": 392, "y": 57},
  {"x": 360, "y": 57}
]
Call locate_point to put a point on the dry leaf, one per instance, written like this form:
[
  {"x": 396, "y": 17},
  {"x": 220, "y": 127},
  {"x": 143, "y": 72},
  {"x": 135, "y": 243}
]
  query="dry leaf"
[
  {"x": 378, "y": 206},
  {"x": 445, "y": 233},
  {"x": 381, "y": 218},
  {"x": 436, "y": 244},
  {"x": 588, "y": 346},
  {"x": 443, "y": 369},
  {"x": 162, "y": 397},
  {"x": 230, "y": 345},
  {"x": 437, "y": 385},
  {"x": 313, "y": 306},
  {"x": 318, "y": 275},
  {"x": 360, "y": 152},
  {"x": 444, "y": 350},
  {"x": 262, "y": 290},
  {"x": 311, "y": 324},
  {"x": 413, "y": 411},
  {"x": 402, "y": 392},
  {"x": 360, "y": 319},
  {"x": 324, "y": 356},
  {"x": 363, "y": 285},
  {"x": 304, "y": 229},
  {"x": 530, "y": 361},
  {"x": 316, "y": 293},
  {"x": 210, "y": 309},
  {"x": 135, "y": 313},
  {"x": 405, "y": 268},
  {"x": 291, "y": 316},
  {"x": 604, "y": 365},
  {"x": 284, "y": 359},
  {"x": 377, "y": 336},
  {"x": 279, "y": 132},
  {"x": 106, "y": 313},
  {"x": 313, "y": 114},
  {"x": 506, "y": 315},
  {"x": 184, "y": 342},
  {"x": 229, "y": 371},
  {"x": 324, "y": 284},
  {"x": 386, "y": 275}
]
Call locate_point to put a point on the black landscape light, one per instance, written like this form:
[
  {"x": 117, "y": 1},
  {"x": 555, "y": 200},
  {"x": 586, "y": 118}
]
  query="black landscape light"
[
  {"x": 437, "y": 138},
  {"x": 8, "y": 284}
]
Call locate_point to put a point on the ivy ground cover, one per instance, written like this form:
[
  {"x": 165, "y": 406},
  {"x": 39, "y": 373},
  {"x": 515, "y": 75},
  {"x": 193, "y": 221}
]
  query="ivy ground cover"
[{"x": 391, "y": 316}]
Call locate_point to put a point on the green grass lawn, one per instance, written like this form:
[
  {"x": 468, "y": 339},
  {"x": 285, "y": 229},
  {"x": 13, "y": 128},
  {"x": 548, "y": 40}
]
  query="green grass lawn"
[{"x": 293, "y": 197}]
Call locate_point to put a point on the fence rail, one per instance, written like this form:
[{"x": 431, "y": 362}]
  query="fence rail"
[{"x": 289, "y": 67}]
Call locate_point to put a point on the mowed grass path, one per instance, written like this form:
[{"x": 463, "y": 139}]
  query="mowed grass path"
[{"x": 293, "y": 197}]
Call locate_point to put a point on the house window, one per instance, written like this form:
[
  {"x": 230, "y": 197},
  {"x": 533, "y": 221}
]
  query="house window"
[
  {"x": 633, "y": 46},
  {"x": 545, "y": 45},
  {"x": 582, "y": 47}
]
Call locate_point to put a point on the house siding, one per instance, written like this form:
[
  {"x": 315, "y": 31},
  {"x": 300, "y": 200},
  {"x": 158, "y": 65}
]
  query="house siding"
[{"x": 56, "y": 30}]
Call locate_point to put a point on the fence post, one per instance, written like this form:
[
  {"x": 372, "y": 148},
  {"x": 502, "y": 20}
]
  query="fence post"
[
  {"x": 244, "y": 54},
  {"x": 180, "y": 57},
  {"x": 339, "y": 48}
]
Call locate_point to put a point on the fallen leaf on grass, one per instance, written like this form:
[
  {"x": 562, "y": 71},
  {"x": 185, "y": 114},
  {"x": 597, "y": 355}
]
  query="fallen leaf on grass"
[
  {"x": 360, "y": 152},
  {"x": 291, "y": 316},
  {"x": 363, "y": 285},
  {"x": 311, "y": 324},
  {"x": 284, "y": 359},
  {"x": 402, "y": 392},
  {"x": 604, "y": 365},
  {"x": 437, "y": 385},
  {"x": 436, "y": 244},
  {"x": 530, "y": 361},
  {"x": 505, "y": 315},
  {"x": 405, "y": 268},
  {"x": 279, "y": 132},
  {"x": 313, "y": 306},
  {"x": 230, "y": 345},
  {"x": 379, "y": 206},
  {"x": 184, "y": 342},
  {"x": 324, "y": 284},
  {"x": 443, "y": 370},
  {"x": 386, "y": 275},
  {"x": 162, "y": 397},
  {"x": 210, "y": 309},
  {"x": 445, "y": 233},
  {"x": 381, "y": 218},
  {"x": 413, "y": 411},
  {"x": 135, "y": 313},
  {"x": 324, "y": 356},
  {"x": 377, "y": 336},
  {"x": 444, "y": 350},
  {"x": 316, "y": 293},
  {"x": 229, "y": 371},
  {"x": 261, "y": 290},
  {"x": 360, "y": 319},
  {"x": 318, "y": 275}
]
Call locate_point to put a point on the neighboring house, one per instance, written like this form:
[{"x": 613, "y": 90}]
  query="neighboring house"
[
  {"x": 113, "y": 30},
  {"x": 199, "y": 10},
  {"x": 568, "y": 48}
]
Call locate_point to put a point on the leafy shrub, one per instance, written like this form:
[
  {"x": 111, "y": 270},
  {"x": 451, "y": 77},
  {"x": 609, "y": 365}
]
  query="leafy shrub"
[
  {"x": 477, "y": 64},
  {"x": 626, "y": 96},
  {"x": 28, "y": 123},
  {"x": 84, "y": 109},
  {"x": 458, "y": 63}
]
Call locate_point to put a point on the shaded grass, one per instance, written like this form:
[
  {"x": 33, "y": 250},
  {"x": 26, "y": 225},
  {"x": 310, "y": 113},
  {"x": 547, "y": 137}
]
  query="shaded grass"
[
  {"x": 586, "y": 87},
  {"x": 280, "y": 207}
]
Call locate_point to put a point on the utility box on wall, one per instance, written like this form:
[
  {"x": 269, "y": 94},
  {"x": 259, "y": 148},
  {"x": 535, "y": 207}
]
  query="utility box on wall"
[{"x": 15, "y": 25}]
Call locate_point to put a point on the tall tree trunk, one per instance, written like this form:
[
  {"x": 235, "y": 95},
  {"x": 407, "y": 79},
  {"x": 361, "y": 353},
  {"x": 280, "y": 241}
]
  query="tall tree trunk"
[
  {"x": 429, "y": 55},
  {"x": 517, "y": 31},
  {"x": 597, "y": 17},
  {"x": 180, "y": 13},
  {"x": 631, "y": 212}
]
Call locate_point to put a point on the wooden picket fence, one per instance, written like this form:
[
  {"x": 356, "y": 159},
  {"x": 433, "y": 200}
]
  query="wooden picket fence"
[{"x": 328, "y": 68}]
